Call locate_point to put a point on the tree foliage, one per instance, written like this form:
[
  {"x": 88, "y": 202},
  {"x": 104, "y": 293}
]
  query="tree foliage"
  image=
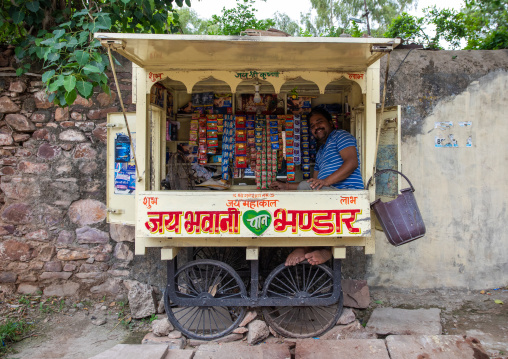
[
  {"x": 337, "y": 13},
  {"x": 234, "y": 21},
  {"x": 59, "y": 35},
  {"x": 482, "y": 25}
]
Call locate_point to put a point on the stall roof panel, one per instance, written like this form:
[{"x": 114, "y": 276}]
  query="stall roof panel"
[{"x": 241, "y": 53}]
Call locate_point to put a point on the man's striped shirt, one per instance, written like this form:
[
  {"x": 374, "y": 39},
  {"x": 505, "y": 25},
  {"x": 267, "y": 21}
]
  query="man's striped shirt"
[{"x": 328, "y": 159}]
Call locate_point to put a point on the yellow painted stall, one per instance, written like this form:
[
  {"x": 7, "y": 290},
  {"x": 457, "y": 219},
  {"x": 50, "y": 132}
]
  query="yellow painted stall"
[{"x": 344, "y": 72}]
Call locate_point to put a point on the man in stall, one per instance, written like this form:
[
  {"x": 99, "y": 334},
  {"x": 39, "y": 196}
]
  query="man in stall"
[{"x": 337, "y": 167}]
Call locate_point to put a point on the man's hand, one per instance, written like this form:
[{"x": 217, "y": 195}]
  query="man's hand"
[
  {"x": 279, "y": 186},
  {"x": 317, "y": 184}
]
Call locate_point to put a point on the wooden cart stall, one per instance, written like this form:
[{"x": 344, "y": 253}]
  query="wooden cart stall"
[{"x": 207, "y": 297}]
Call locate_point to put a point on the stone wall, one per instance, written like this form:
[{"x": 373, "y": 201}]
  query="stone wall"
[{"x": 53, "y": 233}]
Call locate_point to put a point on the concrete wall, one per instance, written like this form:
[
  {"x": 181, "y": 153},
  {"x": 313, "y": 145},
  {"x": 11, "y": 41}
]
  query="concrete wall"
[{"x": 461, "y": 191}]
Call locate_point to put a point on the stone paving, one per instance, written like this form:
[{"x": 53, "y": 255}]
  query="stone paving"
[{"x": 391, "y": 333}]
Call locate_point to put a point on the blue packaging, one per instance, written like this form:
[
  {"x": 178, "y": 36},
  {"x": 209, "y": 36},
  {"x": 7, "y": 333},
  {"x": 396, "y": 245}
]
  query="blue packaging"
[{"x": 122, "y": 148}]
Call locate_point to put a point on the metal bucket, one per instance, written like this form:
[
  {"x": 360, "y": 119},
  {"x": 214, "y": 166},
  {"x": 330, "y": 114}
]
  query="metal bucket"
[{"x": 400, "y": 218}]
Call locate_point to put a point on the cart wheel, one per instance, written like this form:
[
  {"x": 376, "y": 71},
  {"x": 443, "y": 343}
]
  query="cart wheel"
[
  {"x": 232, "y": 256},
  {"x": 306, "y": 282},
  {"x": 206, "y": 278}
]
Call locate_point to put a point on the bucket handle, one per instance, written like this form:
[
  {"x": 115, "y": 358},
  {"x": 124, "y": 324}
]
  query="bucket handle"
[{"x": 380, "y": 172}]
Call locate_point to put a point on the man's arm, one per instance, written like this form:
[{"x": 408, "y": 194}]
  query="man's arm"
[{"x": 349, "y": 156}]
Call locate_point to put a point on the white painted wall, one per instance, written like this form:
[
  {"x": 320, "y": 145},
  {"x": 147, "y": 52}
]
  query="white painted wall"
[{"x": 462, "y": 194}]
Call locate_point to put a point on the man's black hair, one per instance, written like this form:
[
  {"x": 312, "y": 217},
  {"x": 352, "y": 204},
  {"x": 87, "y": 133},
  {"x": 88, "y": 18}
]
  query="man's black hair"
[{"x": 319, "y": 110}]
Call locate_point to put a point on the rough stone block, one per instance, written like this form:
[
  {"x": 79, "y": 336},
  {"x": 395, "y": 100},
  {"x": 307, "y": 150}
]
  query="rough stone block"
[
  {"x": 61, "y": 114},
  {"x": 8, "y": 277},
  {"x": 435, "y": 347},
  {"x": 109, "y": 287},
  {"x": 341, "y": 349},
  {"x": 20, "y": 137},
  {"x": 150, "y": 338},
  {"x": 249, "y": 317},
  {"x": 162, "y": 327},
  {"x": 80, "y": 101},
  {"x": 72, "y": 255},
  {"x": 48, "y": 152},
  {"x": 91, "y": 236},
  {"x": 67, "y": 289},
  {"x": 347, "y": 316},
  {"x": 84, "y": 151},
  {"x": 40, "y": 235},
  {"x": 87, "y": 211},
  {"x": 239, "y": 350},
  {"x": 54, "y": 266},
  {"x": 123, "y": 252},
  {"x": 17, "y": 213},
  {"x": 32, "y": 167},
  {"x": 122, "y": 233},
  {"x": 41, "y": 100},
  {"x": 356, "y": 293},
  {"x": 17, "y": 86},
  {"x": 385, "y": 321},
  {"x": 7, "y": 106},
  {"x": 40, "y": 116},
  {"x": 6, "y": 139},
  {"x": 227, "y": 339},
  {"x": 65, "y": 238},
  {"x": 11, "y": 250},
  {"x": 46, "y": 253},
  {"x": 352, "y": 330},
  {"x": 142, "y": 300},
  {"x": 72, "y": 136},
  {"x": 101, "y": 133},
  {"x": 258, "y": 331},
  {"x": 55, "y": 275},
  {"x": 26, "y": 288},
  {"x": 20, "y": 123},
  {"x": 132, "y": 351}
]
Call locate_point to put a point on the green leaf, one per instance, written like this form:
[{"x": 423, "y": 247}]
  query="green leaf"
[
  {"x": 106, "y": 89},
  {"x": 84, "y": 88},
  {"x": 18, "y": 17},
  {"x": 68, "y": 23},
  {"x": 82, "y": 57},
  {"x": 47, "y": 75},
  {"x": 126, "y": 1},
  {"x": 498, "y": 301},
  {"x": 49, "y": 42},
  {"x": 20, "y": 52},
  {"x": 33, "y": 6},
  {"x": 53, "y": 56},
  {"x": 83, "y": 37},
  {"x": 72, "y": 42},
  {"x": 60, "y": 45},
  {"x": 179, "y": 3},
  {"x": 59, "y": 33},
  {"x": 91, "y": 68},
  {"x": 19, "y": 71},
  {"x": 69, "y": 83},
  {"x": 70, "y": 97},
  {"x": 80, "y": 13},
  {"x": 188, "y": 3}
]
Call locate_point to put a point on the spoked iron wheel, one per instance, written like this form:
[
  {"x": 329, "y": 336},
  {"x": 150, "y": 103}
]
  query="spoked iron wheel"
[
  {"x": 305, "y": 282},
  {"x": 206, "y": 278}
]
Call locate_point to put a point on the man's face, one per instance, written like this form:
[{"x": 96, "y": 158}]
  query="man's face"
[{"x": 320, "y": 127}]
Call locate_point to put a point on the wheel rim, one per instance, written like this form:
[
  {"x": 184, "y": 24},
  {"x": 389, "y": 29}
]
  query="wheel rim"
[
  {"x": 301, "y": 281},
  {"x": 206, "y": 278}
]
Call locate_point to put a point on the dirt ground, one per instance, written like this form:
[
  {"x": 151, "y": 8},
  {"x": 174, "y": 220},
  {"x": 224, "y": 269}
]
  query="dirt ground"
[{"x": 70, "y": 333}]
